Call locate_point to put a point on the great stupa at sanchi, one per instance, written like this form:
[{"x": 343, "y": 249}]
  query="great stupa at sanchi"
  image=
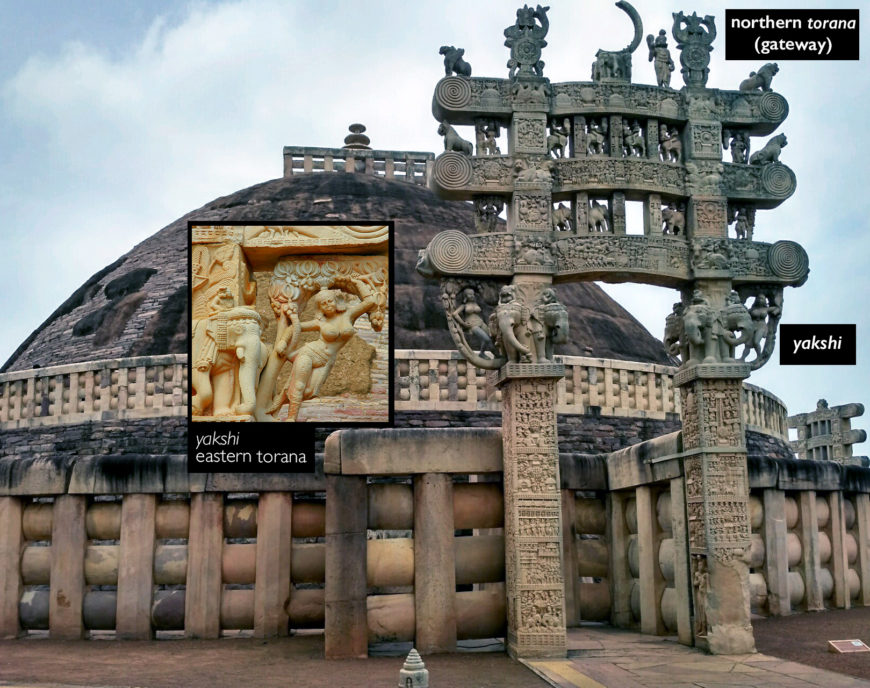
[{"x": 551, "y": 462}]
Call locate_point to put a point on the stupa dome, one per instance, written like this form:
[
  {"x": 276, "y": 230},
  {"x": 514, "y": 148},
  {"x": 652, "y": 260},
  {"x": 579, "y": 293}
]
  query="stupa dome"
[{"x": 137, "y": 306}]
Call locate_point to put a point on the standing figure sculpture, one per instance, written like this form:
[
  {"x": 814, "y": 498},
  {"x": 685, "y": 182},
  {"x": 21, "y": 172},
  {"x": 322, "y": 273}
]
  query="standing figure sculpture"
[
  {"x": 313, "y": 360},
  {"x": 660, "y": 56}
]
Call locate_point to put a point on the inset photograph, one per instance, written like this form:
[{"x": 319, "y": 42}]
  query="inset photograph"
[{"x": 290, "y": 323}]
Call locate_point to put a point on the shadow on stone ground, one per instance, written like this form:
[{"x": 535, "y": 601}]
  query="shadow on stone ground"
[
  {"x": 804, "y": 638},
  {"x": 232, "y": 662}
]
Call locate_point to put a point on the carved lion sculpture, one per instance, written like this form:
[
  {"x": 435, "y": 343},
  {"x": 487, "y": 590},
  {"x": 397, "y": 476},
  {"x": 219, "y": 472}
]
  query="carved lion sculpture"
[
  {"x": 453, "y": 141},
  {"x": 453, "y": 61},
  {"x": 760, "y": 79},
  {"x": 770, "y": 152}
]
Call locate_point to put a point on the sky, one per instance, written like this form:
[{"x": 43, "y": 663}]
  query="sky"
[{"x": 117, "y": 118}]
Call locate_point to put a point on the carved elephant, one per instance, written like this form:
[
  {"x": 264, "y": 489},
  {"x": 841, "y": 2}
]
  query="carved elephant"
[
  {"x": 549, "y": 326},
  {"x": 734, "y": 318},
  {"x": 698, "y": 331},
  {"x": 674, "y": 339},
  {"x": 598, "y": 218},
  {"x": 509, "y": 327},
  {"x": 674, "y": 221},
  {"x": 228, "y": 357}
]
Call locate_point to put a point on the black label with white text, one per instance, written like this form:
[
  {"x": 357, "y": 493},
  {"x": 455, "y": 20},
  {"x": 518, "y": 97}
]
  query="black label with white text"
[
  {"x": 817, "y": 344},
  {"x": 215, "y": 447},
  {"x": 791, "y": 35}
]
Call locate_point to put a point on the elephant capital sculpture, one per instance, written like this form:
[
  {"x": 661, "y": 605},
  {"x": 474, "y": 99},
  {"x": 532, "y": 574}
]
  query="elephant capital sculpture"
[
  {"x": 228, "y": 357},
  {"x": 548, "y": 325},
  {"x": 508, "y": 326},
  {"x": 698, "y": 320},
  {"x": 733, "y": 318}
]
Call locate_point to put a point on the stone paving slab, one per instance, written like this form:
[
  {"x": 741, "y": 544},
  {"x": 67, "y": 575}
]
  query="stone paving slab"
[{"x": 603, "y": 657}]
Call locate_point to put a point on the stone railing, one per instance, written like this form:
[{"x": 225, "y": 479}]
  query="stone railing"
[
  {"x": 140, "y": 387},
  {"x": 444, "y": 381},
  {"x": 408, "y": 166},
  {"x": 764, "y": 412},
  {"x": 149, "y": 386},
  {"x": 809, "y": 549}
]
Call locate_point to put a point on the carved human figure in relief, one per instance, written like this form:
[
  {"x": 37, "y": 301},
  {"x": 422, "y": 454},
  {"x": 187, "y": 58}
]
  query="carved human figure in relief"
[
  {"x": 468, "y": 317},
  {"x": 700, "y": 582},
  {"x": 744, "y": 219},
  {"x": 660, "y": 56},
  {"x": 313, "y": 360},
  {"x": 739, "y": 144},
  {"x": 487, "y": 133},
  {"x": 487, "y": 209},
  {"x": 760, "y": 310}
]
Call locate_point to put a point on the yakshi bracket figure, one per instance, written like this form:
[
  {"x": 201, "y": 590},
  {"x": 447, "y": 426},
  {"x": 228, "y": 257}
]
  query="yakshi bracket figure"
[{"x": 313, "y": 360}]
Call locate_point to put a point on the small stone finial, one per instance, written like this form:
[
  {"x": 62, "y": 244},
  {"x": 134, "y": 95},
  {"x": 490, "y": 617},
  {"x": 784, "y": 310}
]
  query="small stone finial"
[
  {"x": 413, "y": 673},
  {"x": 356, "y": 140}
]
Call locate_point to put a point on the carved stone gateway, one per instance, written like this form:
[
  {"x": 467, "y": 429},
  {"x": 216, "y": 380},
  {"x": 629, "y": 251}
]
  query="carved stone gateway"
[{"x": 577, "y": 152}]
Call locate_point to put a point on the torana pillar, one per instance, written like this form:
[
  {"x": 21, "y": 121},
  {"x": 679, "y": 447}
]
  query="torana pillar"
[
  {"x": 533, "y": 526},
  {"x": 717, "y": 504}
]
